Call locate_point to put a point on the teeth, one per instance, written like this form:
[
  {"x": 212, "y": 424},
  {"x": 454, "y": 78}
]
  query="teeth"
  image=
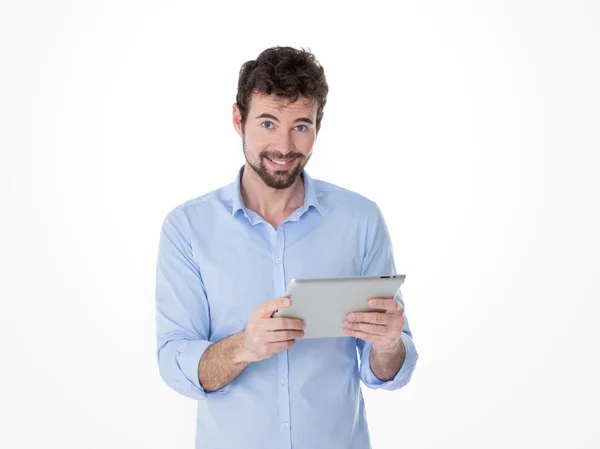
[{"x": 279, "y": 162}]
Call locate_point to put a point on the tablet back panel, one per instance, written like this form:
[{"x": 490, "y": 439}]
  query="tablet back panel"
[{"x": 324, "y": 303}]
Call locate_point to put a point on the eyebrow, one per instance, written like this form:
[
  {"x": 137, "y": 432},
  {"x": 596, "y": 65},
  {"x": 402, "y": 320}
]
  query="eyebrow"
[{"x": 272, "y": 117}]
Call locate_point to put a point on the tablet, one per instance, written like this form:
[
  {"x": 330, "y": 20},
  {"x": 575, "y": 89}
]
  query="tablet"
[{"x": 323, "y": 303}]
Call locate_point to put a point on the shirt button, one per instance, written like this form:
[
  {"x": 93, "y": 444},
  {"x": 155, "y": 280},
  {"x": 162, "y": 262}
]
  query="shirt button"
[
  {"x": 285, "y": 425},
  {"x": 283, "y": 381},
  {"x": 278, "y": 260},
  {"x": 245, "y": 215}
]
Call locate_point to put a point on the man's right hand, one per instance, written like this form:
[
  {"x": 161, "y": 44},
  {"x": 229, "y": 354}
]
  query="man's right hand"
[{"x": 265, "y": 336}]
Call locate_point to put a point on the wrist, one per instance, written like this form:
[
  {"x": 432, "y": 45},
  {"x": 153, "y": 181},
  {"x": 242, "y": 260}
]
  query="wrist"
[
  {"x": 391, "y": 350},
  {"x": 238, "y": 354}
]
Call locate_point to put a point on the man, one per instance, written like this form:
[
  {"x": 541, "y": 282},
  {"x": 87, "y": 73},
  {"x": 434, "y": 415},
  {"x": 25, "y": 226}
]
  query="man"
[{"x": 224, "y": 262}]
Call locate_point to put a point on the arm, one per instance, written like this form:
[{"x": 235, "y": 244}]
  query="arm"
[
  {"x": 392, "y": 368},
  {"x": 221, "y": 363},
  {"x": 182, "y": 312},
  {"x": 386, "y": 364},
  {"x": 262, "y": 337}
]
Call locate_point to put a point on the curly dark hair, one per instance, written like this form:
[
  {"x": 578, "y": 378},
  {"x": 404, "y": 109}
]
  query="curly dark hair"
[{"x": 285, "y": 72}]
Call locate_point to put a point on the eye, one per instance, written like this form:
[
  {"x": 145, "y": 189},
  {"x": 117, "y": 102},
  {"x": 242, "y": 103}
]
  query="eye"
[
  {"x": 266, "y": 122},
  {"x": 305, "y": 127}
]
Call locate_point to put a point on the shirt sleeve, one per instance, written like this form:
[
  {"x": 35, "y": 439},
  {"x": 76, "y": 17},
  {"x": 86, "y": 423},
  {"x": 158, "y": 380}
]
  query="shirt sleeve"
[
  {"x": 182, "y": 311},
  {"x": 379, "y": 260}
]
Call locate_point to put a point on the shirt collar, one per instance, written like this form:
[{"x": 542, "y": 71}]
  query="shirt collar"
[{"x": 310, "y": 195}]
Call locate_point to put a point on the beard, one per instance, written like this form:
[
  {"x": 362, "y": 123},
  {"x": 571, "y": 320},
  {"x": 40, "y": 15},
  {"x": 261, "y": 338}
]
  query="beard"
[{"x": 277, "y": 179}]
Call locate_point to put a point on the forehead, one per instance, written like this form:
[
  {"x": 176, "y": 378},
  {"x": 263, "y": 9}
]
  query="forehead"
[{"x": 272, "y": 102}]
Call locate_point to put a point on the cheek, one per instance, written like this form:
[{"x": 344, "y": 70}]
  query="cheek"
[
  {"x": 255, "y": 143},
  {"x": 304, "y": 142}
]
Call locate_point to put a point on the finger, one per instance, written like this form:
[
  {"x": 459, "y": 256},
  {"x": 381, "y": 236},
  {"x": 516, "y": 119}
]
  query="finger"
[
  {"x": 359, "y": 334},
  {"x": 273, "y": 324},
  {"x": 368, "y": 317},
  {"x": 373, "y": 329},
  {"x": 387, "y": 304},
  {"x": 278, "y": 336},
  {"x": 266, "y": 310}
]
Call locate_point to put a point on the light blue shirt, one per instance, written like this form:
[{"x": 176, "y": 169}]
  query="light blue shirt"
[{"x": 218, "y": 260}]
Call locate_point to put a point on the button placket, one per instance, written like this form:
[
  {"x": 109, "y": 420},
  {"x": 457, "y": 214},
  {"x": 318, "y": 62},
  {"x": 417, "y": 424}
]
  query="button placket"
[{"x": 282, "y": 357}]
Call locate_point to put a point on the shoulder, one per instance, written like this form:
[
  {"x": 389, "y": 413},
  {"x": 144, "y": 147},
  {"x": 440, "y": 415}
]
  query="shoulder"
[
  {"x": 336, "y": 197},
  {"x": 200, "y": 206}
]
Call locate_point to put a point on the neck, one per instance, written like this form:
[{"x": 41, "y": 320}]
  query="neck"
[{"x": 267, "y": 201}]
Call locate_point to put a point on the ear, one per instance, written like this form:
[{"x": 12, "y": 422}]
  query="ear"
[{"x": 237, "y": 119}]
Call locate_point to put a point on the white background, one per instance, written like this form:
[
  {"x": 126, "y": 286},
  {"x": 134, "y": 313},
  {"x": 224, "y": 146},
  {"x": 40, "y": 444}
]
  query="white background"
[{"x": 474, "y": 125}]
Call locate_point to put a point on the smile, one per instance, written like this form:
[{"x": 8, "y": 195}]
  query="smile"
[{"x": 281, "y": 164}]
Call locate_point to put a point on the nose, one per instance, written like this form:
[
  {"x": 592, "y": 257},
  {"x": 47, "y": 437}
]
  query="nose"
[{"x": 283, "y": 143}]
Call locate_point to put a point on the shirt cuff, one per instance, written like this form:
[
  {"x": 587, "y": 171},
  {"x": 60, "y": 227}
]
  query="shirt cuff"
[
  {"x": 402, "y": 377},
  {"x": 188, "y": 360}
]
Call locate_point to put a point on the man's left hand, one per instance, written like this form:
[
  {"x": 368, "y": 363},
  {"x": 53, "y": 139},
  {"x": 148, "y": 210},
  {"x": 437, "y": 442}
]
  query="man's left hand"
[{"x": 382, "y": 329}]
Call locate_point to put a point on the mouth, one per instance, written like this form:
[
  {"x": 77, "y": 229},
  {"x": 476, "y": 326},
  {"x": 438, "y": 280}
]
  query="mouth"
[{"x": 280, "y": 164}]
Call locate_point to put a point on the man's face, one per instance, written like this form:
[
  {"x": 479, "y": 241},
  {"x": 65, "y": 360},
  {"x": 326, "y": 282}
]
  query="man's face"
[{"x": 278, "y": 137}]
